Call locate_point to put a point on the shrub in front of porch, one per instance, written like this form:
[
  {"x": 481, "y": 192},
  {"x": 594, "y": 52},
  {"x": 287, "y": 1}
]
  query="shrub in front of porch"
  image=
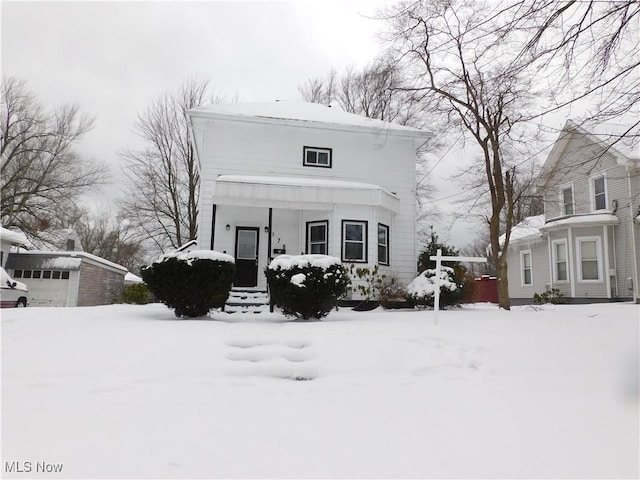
[
  {"x": 191, "y": 283},
  {"x": 306, "y": 286}
]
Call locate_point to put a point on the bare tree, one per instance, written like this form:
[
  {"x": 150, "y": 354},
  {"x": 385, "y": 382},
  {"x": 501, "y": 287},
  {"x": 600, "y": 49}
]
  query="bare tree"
[
  {"x": 373, "y": 92},
  {"x": 458, "y": 67},
  {"x": 42, "y": 174},
  {"x": 163, "y": 178},
  {"x": 108, "y": 235},
  {"x": 591, "y": 51}
]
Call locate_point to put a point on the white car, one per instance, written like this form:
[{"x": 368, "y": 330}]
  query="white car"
[{"x": 12, "y": 294}]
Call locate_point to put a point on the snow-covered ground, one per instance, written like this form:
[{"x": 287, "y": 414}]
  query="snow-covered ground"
[{"x": 130, "y": 392}]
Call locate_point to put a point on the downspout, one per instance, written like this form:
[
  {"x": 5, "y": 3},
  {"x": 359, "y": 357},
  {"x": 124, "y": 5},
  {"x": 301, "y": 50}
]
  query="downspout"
[
  {"x": 572, "y": 276},
  {"x": 636, "y": 289}
]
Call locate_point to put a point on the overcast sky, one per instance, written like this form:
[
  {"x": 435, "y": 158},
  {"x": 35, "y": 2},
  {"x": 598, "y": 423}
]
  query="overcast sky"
[{"x": 113, "y": 58}]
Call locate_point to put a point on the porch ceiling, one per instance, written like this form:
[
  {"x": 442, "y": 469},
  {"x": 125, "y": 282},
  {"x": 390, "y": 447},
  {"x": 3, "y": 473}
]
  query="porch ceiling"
[{"x": 299, "y": 193}]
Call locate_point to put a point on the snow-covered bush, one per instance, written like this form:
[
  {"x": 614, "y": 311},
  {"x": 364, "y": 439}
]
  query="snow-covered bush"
[
  {"x": 191, "y": 283},
  {"x": 306, "y": 286},
  {"x": 421, "y": 290}
]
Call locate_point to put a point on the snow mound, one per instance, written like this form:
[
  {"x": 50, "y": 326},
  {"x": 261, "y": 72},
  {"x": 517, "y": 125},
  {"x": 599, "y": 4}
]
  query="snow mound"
[
  {"x": 287, "y": 262},
  {"x": 199, "y": 255},
  {"x": 424, "y": 285}
]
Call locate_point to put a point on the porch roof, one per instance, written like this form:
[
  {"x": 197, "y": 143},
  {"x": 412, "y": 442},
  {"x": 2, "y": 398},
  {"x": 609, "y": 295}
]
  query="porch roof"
[
  {"x": 299, "y": 193},
  {"x": 585, "y": 220}
]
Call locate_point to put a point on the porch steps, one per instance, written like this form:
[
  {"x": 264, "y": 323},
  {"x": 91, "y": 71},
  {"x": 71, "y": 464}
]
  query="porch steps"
[{"x": 247, "y": 300}]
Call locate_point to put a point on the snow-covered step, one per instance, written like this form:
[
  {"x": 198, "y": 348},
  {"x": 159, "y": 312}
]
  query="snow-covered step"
[{"x": 245, "y": 300}]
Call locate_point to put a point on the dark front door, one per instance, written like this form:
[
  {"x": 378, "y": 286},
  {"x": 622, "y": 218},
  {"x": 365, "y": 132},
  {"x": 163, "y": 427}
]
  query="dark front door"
[{"x": 246, "y": 257}]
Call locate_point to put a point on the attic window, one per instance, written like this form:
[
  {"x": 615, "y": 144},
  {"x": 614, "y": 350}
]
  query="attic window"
[{"x": 317, "y": 157}]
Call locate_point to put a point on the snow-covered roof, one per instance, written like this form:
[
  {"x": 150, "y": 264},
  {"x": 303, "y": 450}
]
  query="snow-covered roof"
[
  {"x": 304, "y": 112},
  {"x": 299, "y": 182},
  {"x": 582, "y": 220},
  {"x": 528, "y": 228},
  {"x": 13, "y": 237},
  {"x": 300, "y": 192},
  {"x": 131, "y": 278},
  {"x": 58, "y": 260}
]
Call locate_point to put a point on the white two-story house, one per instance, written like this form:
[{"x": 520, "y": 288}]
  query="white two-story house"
[
  {"x": 295, "y": 178},
  {"x": 587, "y": 244}
]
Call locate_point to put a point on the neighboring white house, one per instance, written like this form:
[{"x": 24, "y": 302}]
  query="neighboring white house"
[
  {"x": 587, "y": 245},
  {"x": 293, "y": 177}
]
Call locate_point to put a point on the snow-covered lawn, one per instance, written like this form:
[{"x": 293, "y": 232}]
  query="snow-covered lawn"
[{"x": 129, "y": 391}]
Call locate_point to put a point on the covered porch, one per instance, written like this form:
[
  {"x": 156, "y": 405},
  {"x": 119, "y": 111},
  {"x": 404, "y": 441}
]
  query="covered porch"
[{"x": 256, "y": 218}]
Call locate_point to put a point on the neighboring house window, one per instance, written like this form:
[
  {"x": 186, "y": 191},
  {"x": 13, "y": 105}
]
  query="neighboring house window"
[
  {"x": 567, "y": 201},
  {"x": 560, "y": 271},
  {"x": 17, "y": 274},
  {"x": 383, "y": 244},
  {"x": 525, "y": 262},
  {"x": 354, "y": 241},
  {"x": 317, "y": 157},
  {"x": 589, "y": 258},
  {"x": 317, "y": 237},
  {"x": 599, "y": 193}
]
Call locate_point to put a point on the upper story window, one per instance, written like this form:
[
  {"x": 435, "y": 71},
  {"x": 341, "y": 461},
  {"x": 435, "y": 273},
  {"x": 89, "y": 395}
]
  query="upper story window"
[
  {"x": 599, "y": 192},
  {"x": 316, "y": 157},
  {"x": 566, "y": 195}
]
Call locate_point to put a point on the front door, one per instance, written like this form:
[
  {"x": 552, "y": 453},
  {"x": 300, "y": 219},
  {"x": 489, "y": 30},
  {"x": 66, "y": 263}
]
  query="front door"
[{"x": 246, "y": 257}]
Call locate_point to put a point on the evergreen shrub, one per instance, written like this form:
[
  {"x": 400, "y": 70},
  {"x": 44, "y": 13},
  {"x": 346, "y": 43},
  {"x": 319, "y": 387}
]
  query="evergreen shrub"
[
  {"x": 554, "y": 296},
  {"x": 421, "y": 291},
  {"x": 306, "y": 286},
  {"x": 191, "y": 283},
  {"x": 138, "y": 293}
]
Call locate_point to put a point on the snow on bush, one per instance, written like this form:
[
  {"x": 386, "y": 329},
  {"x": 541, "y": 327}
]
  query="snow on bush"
[
  {"x": 422, "y": 289},
  {"x": 191, "y": 283},
  {"x": 306, "y": 286}
]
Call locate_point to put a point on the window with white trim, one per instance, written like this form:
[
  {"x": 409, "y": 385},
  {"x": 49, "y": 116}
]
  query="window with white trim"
[
  {"x": 525, "y": 268},
  {"x": 383, "y": 244},
  {"x": 317, "y": 237},
  {"x": 567, "y": 200},
  {"x": 599, "y": 191},
  {"x": 560, "y": 265},
  {"x": 316, "y": 157},
  {"x": 589, "y": 259},
  {"x": 354, "y": 241}
]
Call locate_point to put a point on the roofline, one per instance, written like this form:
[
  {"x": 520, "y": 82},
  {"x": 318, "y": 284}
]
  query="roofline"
[
  {"x": 570, "y": 127},
  {"x": 410, "y": 132},
  {"x": 85, "y": 255}
]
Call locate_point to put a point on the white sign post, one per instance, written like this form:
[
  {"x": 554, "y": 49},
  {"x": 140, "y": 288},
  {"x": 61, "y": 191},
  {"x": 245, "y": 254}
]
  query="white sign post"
[{"x": 438, "y": 258}]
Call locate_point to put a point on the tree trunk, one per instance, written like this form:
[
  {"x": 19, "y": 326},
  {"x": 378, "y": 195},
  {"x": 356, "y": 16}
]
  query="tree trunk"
[{"x": 503, "y": 283}]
